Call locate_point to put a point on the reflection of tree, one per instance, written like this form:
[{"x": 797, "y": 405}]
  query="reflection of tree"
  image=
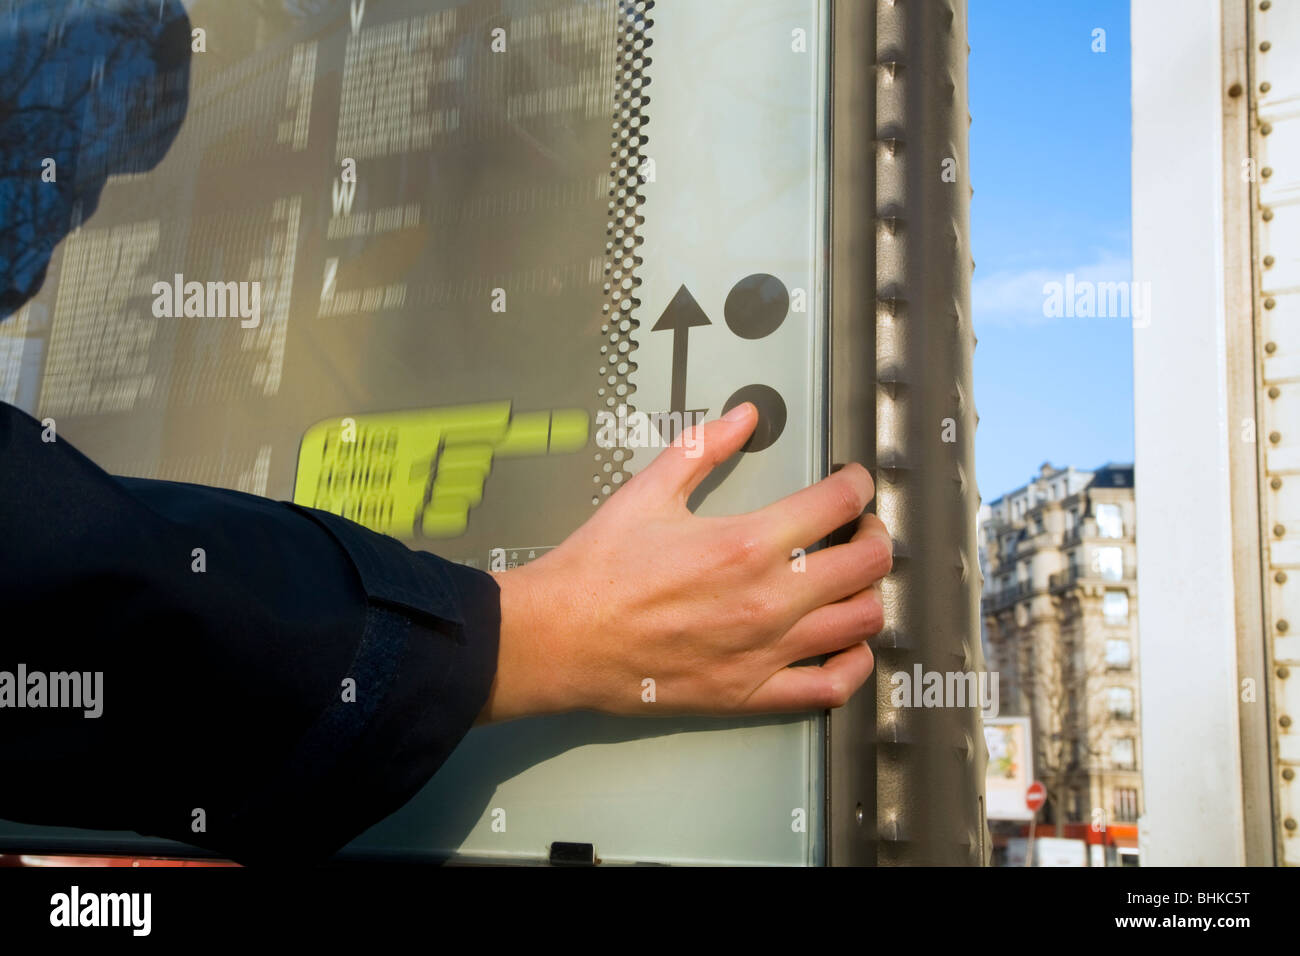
[{"x": 99, "y": 87}]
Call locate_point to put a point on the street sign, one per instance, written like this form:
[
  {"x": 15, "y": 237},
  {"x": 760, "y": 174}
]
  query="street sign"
[{"x": 1035, "y": 796}]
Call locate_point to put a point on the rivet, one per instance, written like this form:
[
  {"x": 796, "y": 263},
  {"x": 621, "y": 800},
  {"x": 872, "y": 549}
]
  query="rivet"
[
  {"x": 1234, "y": 90},
  {"x": 1274, "y": 392},
  {"x": 1280, "y": 576},
  {"x": 1265, "y": 86},
  {"x": 1279, "y": 530},
  {"x": 1265, "y": 129},
  {"x": 1275, "y": 437},
  {"x": 1284, "y": 720},
  {"x": 1268, "y": 262},
  {"x": 1270, "y": 302},
  {"x": 1290, "y": 823},
  {"x": 1265, "y": 4},
  {"x": 1266, "y": 172},
  {"x": 1284, "y": 672},
  {"x": 1265, "y": 47},
  {"x": 1266, "y": 215},
  {"x": 1288, "y": 773},
  {"x": 1282, "y": 625},
  {"x": 1270, "y": 347},
  {"x": 1275, "y": 483}
]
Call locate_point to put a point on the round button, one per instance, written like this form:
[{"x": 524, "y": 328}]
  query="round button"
[
  {"x": 771, "y": 414},
  {"x": 756, "y": 306}
]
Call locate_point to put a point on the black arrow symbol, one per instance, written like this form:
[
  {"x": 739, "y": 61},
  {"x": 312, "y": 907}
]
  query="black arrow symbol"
[{"x": 682, "y": 314}]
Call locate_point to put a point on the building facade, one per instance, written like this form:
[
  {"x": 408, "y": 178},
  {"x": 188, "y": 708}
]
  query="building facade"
[{"x": 1060, "y": 627}]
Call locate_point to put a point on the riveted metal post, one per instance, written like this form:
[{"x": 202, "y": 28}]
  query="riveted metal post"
[{"x": 928, "y": 762}]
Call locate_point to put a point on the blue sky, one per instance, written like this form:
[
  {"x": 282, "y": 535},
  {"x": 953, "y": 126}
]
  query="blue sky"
[{"x": 1050, "y": 152}]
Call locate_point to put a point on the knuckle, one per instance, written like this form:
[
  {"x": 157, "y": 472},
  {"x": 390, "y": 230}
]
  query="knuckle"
[
  {"x": 884, "y": 555},
  {"x": 847, "y": 502},
  {"x": 871, "y": 616},
  {"x": 742, "y": 547},
  {"x": 836, "y": 693},
  {"x": 857, "y": 478}
]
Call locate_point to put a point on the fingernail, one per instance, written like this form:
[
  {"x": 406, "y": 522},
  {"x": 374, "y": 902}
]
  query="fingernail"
[{"x": 739, "y": 413}]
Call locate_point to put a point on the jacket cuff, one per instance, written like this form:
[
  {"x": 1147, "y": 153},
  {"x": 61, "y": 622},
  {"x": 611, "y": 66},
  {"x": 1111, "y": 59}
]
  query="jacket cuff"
[{"x": 421, "y": 675}]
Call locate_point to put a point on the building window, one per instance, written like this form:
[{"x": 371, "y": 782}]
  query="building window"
[
  {"x": 1114, "y": 607},
  {"x": 1119, "y": 653},
  {"x": 1069, "y": 521},
  {"x": 1120, "y": 701},
  {"x": 1123, "y": 755},
  {"x": 1125, "y": 804},
  {"x": 1108, "y": 563},
  {"x": 1110, "y": 521}
]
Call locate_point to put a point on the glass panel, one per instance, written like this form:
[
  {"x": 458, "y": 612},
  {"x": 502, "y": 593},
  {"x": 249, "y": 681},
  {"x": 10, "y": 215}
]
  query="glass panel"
[
  {"x": 1122, "y": 753},
  {"x": 1120, "y": 700},
  {"x": 455, "y": 283},
  {"x": 1108, "y": 563},
  {"x": 1114, "y": 607},
  {"x": 1110, "y": 521},
  {"x": 1118, "y": 653}
]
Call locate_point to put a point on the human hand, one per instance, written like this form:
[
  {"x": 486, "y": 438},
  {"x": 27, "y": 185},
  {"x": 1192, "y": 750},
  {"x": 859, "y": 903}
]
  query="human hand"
[{"x": 648, "y": 609}]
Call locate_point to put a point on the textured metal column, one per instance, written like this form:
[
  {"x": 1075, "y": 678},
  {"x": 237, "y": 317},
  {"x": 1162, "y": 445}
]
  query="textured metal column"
[{"x": 928, "y": 805}]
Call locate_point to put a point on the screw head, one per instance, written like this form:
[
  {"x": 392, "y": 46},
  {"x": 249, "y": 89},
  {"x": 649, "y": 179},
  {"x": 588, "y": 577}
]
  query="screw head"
[
  {"x": 1265, "y": 4},
  {"x": 1267, "y": 216},
  {"x": 1266, "y": 172},
  {"x": 1274, "y": 392},
  {"x": 1282, "y": 628},
  {"x": 1284, "y": 720},
  {"x": 1288, "y": 773},
  {"x": 1290, "y": 824},
  {"x": 1284, "y": 672},
  {"x": 1275, "y": 483},
  {"x": 1279, "y": 530},
  {"x": 1268, "y": 262},
  {"x": 1234, "y": 90},
  {"x": 1265, "y": 47},
  {"x": 1270, "y": 347},
  {"x": 1265, "y": 86},
  {"x": 1275, "y": 437},
  {"x": 1270, "y": 302},
  {"x": 1280, "y": 577}
]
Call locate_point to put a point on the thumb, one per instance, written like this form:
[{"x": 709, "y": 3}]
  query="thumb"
[{"x": 688, "y": 460}]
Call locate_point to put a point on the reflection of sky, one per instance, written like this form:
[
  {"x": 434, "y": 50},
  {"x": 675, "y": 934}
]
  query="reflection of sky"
[
  {"x": 79, "y": 84},
  {"x": 1050, "y": 154}
]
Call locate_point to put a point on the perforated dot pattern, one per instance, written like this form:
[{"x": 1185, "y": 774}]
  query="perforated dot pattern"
[{"x": 626, "y": 158}]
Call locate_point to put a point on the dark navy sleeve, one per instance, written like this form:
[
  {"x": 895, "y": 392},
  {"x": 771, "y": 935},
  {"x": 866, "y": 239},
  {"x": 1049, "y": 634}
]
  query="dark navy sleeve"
[{"x": 275, "y": 679}]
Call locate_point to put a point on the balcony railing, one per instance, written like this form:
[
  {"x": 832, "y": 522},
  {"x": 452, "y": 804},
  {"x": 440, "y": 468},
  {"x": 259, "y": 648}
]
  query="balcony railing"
[
  {"x": 1071, "y": 576},
  {"x": 1008, "y": 596}
]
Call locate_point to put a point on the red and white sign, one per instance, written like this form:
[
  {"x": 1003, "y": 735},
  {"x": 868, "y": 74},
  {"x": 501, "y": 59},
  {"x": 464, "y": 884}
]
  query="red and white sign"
[{"x": 1035, "y": 796}]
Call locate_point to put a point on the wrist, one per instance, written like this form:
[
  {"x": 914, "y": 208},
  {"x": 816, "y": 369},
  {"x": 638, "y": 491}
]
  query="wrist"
[{"x": 529, "y": 677}]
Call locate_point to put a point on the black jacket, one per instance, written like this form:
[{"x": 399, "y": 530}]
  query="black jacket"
[{"x": 226, "y": 700}]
